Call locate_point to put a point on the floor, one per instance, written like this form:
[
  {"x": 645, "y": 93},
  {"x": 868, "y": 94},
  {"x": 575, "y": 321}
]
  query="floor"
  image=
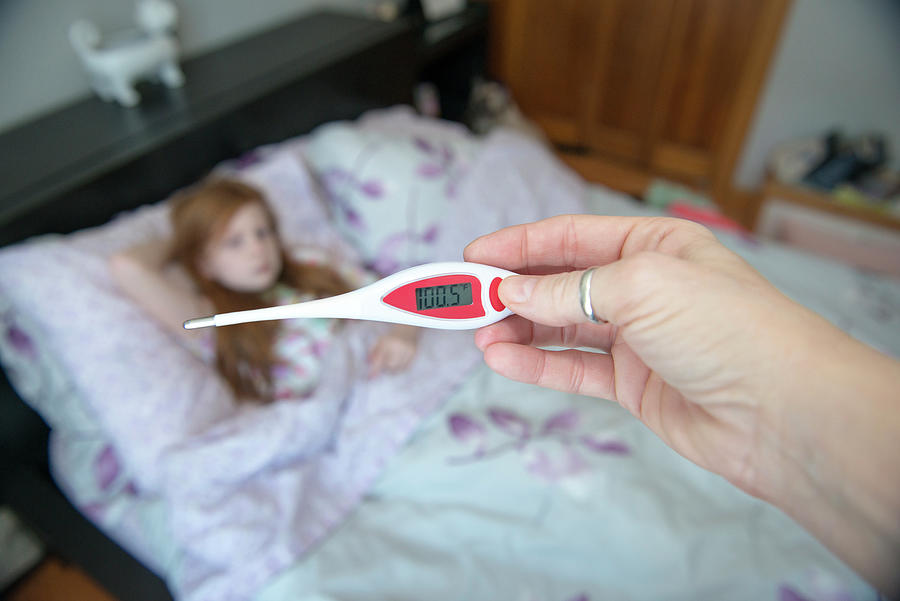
[{"x": 55, "y": 580}]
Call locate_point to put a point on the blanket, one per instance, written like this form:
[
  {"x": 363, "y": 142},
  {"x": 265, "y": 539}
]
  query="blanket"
[{"x": 239, "y": 493}]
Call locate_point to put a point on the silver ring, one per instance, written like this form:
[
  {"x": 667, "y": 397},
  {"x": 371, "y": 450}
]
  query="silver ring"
[{"x": 584, "y": 292}]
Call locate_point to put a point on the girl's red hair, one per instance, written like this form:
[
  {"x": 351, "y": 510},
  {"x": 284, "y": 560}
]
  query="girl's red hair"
[{"x": 244, "y": 353}]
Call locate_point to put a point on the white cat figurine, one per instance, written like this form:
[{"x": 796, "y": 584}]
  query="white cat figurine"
[{"x": 151, "y": 52}]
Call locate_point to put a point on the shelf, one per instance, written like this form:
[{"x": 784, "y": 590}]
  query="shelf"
[
  {"x": 814, "y": 199},
  {"x": 58, "y": 152},
  {"x": 444, "y": 36}
]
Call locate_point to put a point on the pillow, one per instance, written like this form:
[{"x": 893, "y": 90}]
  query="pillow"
[
  {"x": 391, "y": 178},
  {"x": 87, "y": 359}
]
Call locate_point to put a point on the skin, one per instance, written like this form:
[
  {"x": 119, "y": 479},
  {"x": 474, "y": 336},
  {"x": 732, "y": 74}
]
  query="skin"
[
  {"x": 245, "y": 257},
  {"x": 715, "y": 361}
]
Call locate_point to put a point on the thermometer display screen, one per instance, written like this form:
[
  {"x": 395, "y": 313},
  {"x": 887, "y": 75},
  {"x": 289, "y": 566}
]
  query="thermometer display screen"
[{"x": 437, "y": 297}]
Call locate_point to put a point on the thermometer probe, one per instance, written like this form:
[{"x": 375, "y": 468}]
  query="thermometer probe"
[{"x": 447, "y": 296}]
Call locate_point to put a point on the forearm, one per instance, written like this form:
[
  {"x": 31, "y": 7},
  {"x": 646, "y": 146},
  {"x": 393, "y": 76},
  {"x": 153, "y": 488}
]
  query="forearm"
[
  {"x": 153, "y": 254},
  {"x": 138, "y": 270},
  {"x": 410, "y": 333},
  {"x": 144, "y": 274},
  {"x": 837, "y": 439}
]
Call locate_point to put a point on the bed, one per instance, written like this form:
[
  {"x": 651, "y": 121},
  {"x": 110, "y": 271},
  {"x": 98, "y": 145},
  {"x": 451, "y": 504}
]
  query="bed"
[
  {"x": 130, "y": 460},
  {"x": 461, "y": 485}
]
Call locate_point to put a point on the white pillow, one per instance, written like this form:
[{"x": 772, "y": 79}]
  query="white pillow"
[{"x": 391, "y": 179}]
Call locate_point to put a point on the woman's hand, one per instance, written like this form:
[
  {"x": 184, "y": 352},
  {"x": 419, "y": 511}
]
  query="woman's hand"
[
  {"x": 680, "y": 352},
  {"x": 717, "y": 362},
  {"x": 394, "y": 351}
]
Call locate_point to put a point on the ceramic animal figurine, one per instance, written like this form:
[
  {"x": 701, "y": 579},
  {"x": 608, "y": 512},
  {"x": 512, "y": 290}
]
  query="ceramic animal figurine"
[
  {"x": 491, "y": 105},
  {"x": 115, "y": 64}
]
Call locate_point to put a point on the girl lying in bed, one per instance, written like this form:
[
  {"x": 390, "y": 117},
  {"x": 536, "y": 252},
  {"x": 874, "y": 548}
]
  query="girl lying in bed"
[{"x": 226, "y": 255}]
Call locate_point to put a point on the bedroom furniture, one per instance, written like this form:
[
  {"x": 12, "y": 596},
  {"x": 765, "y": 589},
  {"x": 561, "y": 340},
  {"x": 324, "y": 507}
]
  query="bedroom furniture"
[
  {"x": 809, "y": 219},
  {"x": 149, "y": 52},
  {"x": 633, "y": 90},
  {"x": 258, "y": 90},
  {"x": 80, "y": 165}
]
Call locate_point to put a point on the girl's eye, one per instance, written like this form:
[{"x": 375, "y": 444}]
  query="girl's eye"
[{"x": 233, "y": 242}]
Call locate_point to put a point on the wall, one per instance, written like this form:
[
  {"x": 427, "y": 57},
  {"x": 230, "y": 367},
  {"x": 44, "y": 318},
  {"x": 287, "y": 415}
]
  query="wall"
[
  {"x": 40, "y": 72},
  {"x": 838, "y": 65}
]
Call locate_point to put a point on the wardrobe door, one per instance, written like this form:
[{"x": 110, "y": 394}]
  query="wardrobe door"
[
  {"x": 627, "y": 48},
  {"x": 706, "y": 57},
  {"x": 543, "y": 54}
]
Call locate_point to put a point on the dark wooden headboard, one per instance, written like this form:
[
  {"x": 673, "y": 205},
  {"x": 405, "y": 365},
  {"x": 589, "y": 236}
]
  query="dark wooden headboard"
[
  {"x": 76, "y": 166},
  {"x": 82, "y": 164}
]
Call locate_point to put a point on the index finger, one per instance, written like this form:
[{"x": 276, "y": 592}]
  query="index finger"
[{"x": 570, "y": 242}]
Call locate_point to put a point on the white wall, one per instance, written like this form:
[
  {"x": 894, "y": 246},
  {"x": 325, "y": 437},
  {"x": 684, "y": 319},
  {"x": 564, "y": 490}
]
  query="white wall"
[
  {"x": 838, "y": 65},
  {"x": 39, "y": 71}
]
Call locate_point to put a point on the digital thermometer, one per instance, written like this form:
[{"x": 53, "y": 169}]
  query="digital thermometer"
[{"x": 447, "y": 296}]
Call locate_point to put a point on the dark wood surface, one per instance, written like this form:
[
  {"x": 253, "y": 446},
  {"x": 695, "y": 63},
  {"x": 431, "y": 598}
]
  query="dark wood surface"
[{"x": 353, "y": 62}]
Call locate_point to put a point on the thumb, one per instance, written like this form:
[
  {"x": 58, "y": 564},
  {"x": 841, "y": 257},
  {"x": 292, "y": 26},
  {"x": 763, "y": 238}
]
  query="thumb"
[
  {"x": 551, "y": 300},
  {"x": 555, "y": 300}
]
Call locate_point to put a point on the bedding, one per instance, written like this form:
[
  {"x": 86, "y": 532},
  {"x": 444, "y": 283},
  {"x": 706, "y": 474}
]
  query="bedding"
[
  {"x": 488, "y": 489},
  {"x": 390, "y": 185},
  {"x": 244, "y": 490}
]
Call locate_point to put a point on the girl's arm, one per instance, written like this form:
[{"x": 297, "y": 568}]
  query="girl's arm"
[
  {"x": 163, "y": 290},
  {"x": 395, "y": 350}
]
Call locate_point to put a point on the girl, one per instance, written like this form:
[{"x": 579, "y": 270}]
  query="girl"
[{"x": 226, "y": 255}]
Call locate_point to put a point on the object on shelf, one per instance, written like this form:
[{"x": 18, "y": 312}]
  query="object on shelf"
[
  {"x": 385, "y": 10},
  {"x": 848, "y": 172},
  {"x": 881, "y": 184},
  {"x": 792, "y": 161},
  {"x": 491, "y": 106},
  {"x": 115, "y": 65},
  {"x": 852, "y": 159},
  {"x": 852, "y": 196},
  {"x": 435, "y": 10},
  {"x": 829, "y": 160}
]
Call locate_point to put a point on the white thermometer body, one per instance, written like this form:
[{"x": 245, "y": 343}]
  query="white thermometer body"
[{"x": 447, "y": 296}]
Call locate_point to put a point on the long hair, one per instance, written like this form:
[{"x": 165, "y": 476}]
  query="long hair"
[{"x": 244, "y": 353}]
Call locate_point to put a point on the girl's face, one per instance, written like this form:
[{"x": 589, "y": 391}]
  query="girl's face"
[{"x": 246, "y": 257}]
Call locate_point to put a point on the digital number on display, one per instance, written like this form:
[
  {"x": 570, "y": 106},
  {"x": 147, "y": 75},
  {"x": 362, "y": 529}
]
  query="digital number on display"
[{"x": 437, "y": 297}]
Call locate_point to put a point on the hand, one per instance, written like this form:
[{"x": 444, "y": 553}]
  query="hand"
[
  {"x": 696, "y": 338},
  {"x": 394, "y": 351},
  {"x": 717, "y": 362}
]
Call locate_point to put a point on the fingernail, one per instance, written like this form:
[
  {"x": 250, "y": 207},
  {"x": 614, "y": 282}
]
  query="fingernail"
[{"x": 517, "y": 289}]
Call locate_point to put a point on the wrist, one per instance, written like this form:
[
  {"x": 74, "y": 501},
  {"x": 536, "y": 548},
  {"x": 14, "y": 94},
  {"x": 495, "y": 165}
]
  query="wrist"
[{"x": 832, "y": 444}]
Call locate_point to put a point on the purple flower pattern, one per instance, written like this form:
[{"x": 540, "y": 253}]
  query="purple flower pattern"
[
  {"x": 20, "y": 341},
  {"x": 340, "y": 183},
  {"x": 817, "y": 585},
  {"x": 248, "y": 159},
  {"x": 611, "y": 447},
  {"x": 344, "y": 189},
  {"x": 521, "y": 434},
  {"x": 106, "y": 468},
  {"x": 440, "y": 162},
  {"x": 390, "y": 253}
]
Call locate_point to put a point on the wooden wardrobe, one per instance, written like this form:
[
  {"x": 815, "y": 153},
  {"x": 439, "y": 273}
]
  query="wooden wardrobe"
[{"x": 629, "y": 90}]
